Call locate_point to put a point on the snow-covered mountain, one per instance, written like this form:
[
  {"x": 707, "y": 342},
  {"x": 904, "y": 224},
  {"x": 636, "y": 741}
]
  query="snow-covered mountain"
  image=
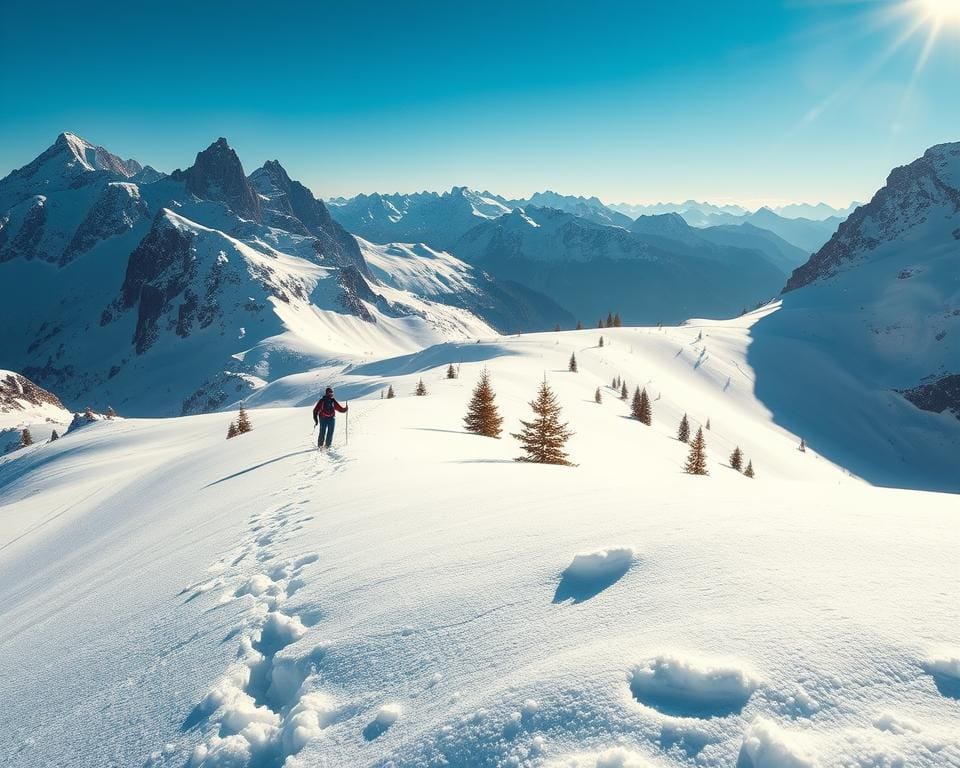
[
  {"x": 865, "y": 351},
  {"x": 815, "y": 212},
  {"x": 24, "y": 405},
  {"x": 418, "y": 598},
  {"x": 191, "y": 290},
  {"x": 593, "y": 269},
  {"x": 425, "y": 217},
  {"x": 589, "y": 208},
  {"x": 656, "y": 209},
  {"x": 807, "y": 234}
]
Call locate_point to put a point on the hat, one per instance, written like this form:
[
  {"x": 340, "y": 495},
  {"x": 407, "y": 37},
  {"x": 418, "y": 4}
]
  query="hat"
[{"x": 329, "y": 391}]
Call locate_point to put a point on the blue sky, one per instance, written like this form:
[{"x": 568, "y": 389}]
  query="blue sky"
[{"x": 761, "y": 101}]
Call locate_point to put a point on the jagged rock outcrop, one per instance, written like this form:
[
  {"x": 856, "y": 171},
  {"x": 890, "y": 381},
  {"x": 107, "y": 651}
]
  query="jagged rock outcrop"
[
  {"x": 17, "y": 392},
  {"x": 117, "y": 209},
  {"x": 939, "y": 395},
  {"x": 289, "y": 205},
  {"x": 217, "y": 174}
]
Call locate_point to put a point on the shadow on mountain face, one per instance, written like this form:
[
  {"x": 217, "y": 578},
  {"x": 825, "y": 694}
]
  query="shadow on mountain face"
[
  {"x": 818, "y": 373},
  {"x": 440, "y": 354}
]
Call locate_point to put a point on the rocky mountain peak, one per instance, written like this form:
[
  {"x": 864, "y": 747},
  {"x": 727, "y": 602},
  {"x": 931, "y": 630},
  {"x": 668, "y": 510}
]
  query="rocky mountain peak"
[
  {"x": 924, "y": 191},
  {"x": 217, "y": 174}
]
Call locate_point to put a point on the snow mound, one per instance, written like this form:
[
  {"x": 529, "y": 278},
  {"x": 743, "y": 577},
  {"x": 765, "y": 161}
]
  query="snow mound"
[
  {"x": 944, "y": 667},
  {"x": 767, "y": 745},
  {"x": 592, "y": 572},
  {"x": 386, "y": 716},
  {"x": 683, "y": 686},
  {"x": 306, "y": 720}
]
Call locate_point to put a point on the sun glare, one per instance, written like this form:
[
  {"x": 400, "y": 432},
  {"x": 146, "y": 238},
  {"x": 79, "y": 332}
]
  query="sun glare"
[{"x": 940, "y": 12}]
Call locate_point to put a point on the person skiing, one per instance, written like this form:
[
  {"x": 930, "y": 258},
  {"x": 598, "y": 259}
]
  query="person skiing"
[{"x": 325, "y": 415}]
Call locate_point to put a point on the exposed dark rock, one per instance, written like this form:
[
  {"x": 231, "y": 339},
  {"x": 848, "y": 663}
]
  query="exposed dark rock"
[
  {"x": 15, "y": 390},
  {"x": 117, "y": 209},
  {"x": 940, "y": 395},
  {"x": 217, "y": 174}
]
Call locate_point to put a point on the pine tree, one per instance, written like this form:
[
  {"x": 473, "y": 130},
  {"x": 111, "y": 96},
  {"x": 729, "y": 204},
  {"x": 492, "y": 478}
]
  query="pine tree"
[
  {"x": 579, "y": 326},
  {"x": 110, "y": 412},
  {"x": 556, "y": 327},
  {"x": 572, "y": 365},
  {"x": 232, "y": 430},
  {"x": 803, "y": 446},
  {"x": 601, "y": 341},
  {"x": 736, "y": 459},
  {"x": 243, "y": 422},
  {"x": 600, "y": 323},
  {"x": 613, "y": 384},
  {"x": 26, "y": 438},
  {"x": 708, "y": 425},
  {"x": 544, "y": 437},
  {"x": 483, "y": 417},
  {"x": 617, "y": 323},
  {"x": 623, "y": 390},
  {"x": 451, "y": 372},
  {"x": 390, "y": 392},
  {"x": 609, "y": 320},
  {"x": 645, "y": 414},
  {"x": 597, "y": 397},
  {"x": 748, "y": 472},
  {"x": 683, "y": 432},
  {"x": 54, "y": 436},
  {"x": 635, "y": 404},
  {"x": 697, "y": 459},
  {"x": 421, "y": 389}
]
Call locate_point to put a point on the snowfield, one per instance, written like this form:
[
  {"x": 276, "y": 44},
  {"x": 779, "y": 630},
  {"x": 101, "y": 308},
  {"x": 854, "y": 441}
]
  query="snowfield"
[{"x": 418, "y": 598}]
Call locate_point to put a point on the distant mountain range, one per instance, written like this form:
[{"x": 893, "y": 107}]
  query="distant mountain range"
[{"x": 168, "y": 294}]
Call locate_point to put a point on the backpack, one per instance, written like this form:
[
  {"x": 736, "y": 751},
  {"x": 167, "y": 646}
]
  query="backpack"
[{"x": 327, "y": 411}]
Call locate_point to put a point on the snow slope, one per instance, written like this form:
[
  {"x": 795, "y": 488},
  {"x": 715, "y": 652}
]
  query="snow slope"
[
  {"x": 418, "y": 598},
  {"x": 864, "y": 356}
]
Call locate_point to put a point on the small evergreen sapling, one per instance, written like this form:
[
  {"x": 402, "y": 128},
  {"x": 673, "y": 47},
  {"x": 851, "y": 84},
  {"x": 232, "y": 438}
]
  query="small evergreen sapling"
[
  {"x": 697, "y": 459},
  {"x": 803, "y": 446},
  {"x": 54, "y": 436},
  {"x": 572, "y": 365},
  {"x": 25, "y": 438},
  {"x": 544, "y": 438},
  {"x": 597, "y": 397},
  {"x": 623, "y": 390},
  {"x": 483, "y": 417},
  {"x": 421, "y": 389},
  {"x": 579, "y": 326},
  {"x": 683, "y": 431},
  {"x": 601, "y": 341},
  {"x": 748, "y": 472},
  {"x": 451, "y": 372},
  {"x": 736, "y": 459},
  {"x": 232, "y": 430},
  {"x": 243, "y": 422},
  {"x": 390, "y": 392},
  {"x": 708, "y": 425}
]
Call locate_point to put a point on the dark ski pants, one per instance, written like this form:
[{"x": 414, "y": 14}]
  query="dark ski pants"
[{"x": 326, "y": 431}]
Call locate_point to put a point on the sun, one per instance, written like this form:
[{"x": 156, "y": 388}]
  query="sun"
[{"x": 939, "y": 12}]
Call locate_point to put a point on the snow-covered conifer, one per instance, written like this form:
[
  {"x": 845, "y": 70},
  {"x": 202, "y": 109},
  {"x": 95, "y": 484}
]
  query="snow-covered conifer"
[
  {"x": 483, "y": 417},
  {"x": 232, "y": 430},
  {"x": 545, "y": 436},
  {"x": 421, "y": 389},
  {"x": 683, "y": 431},
  {"x": 697, "y": 459},
  {"x": 748, "y": 472},
  {"x": 243, "y": 422},
  {"x": 451, "y": 372},
  {"x": 736, "y": 459},
  {"x": 572, "y": 365}
]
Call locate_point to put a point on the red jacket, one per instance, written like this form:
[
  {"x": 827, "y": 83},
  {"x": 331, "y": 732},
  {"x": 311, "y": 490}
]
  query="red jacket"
[{"x": 326, "y": 408}]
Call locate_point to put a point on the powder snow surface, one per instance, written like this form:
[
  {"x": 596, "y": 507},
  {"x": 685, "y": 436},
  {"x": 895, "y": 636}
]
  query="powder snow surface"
[{"x": 417, "y": 598}]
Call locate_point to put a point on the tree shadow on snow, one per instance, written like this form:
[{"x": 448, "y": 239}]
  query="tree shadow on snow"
[{"x": 258, "y": 466}]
